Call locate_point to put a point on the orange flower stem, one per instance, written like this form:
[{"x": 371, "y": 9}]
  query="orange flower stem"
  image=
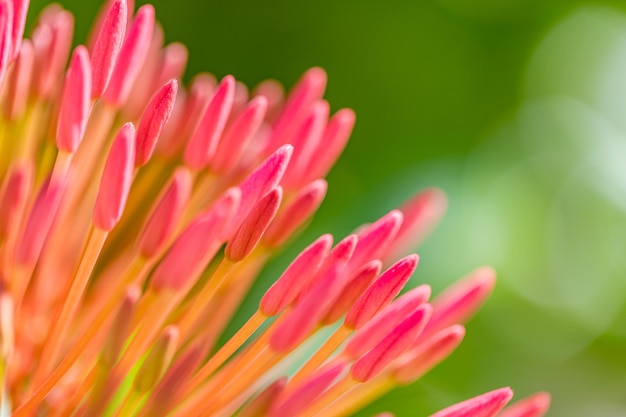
[
  {"x": 80, "y": 346},
  {"x": 320, "y": 355},
  {"x": 358, "y": 396},
  {"x": 329, "y": 396},
  {"x": 233, "y": 344},
  {"x": 60, "y": 326},
  {"x": 203, "y": 298}
]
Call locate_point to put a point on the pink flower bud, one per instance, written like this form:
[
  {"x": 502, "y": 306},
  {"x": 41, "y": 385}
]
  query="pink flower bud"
[
  {"x": 131, "y": 57},
  {"x": 296, "y": 277},
  {"x": 204, "y": 140},
  {"x": 251, "y": 230},
  {"x": 196, "y": 246},
  {"x": 238, "y": 135},
  {"x": 13, "y": 196},
  {"x": 75, "y": 102},
  {"x": 427, "y": 354},
  {"x": 309, "y": 88},
  {"x": 534, "y": 406},
  {"x": 18, "y": 86},
  {"x": 391, "y": 346},
  {"x": 486, "y": 405},
  {"x": 459, "y": 302},
  {"x": 20, "y": 10},
  {"x": 107, "y": 46},
  {"x": 376, "y": 238},
  {"x": 353, "y": 290},
  {"x": 153, "y": 121},
  {"x": 300, "y": 209},
  {"x": 332, "y": 144},
  {"x": 6, "y": 32},
  {"x": 382, "y": 323},
  {"x": 306, "y": 315},
  {"x": 116, "y": 180},
  {"x": 381, "y": 292}
]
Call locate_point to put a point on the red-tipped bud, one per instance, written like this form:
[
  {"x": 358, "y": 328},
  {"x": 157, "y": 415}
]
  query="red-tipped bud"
[
  {"x": 353, "y": 290},
  {"x": 6, "y": 32},
  {"x": 376, "y": 238},
  {"x": 174, "y": 59},
  {"x": 14, "y": 195},
  {"x": 120, "y": 330},
  {"x": 421, "y": 214},
  {"x": 305, "y": 140},
  {"x": 306, "y": 315},
  {"x": 251, "y": 230},
  {"x": 75, "y": 102},
  {"x": 162, "y": 223},
  {"x": 261, "y": 181},
  {"x": 158, "y": 360},
  {"x": 299, "y": 210},
  {"x": 297, "y": 276},
  {"x": 302, "y": 396},
  {"x": 458, "y": 303},
  {"x": 486, "y": 405},
  {"x": 238, "y": 135},
  {"x": 18, "y": 85},
  {"x": 20, "y": 10},
  {"x": 391, "y": 346},
  {"x": 382, "y": 323},
  {"x": 40, "y": 220},
  {"x": 196, "y": 246},
  {"x": 381, "y": 292},
  {"x": 131, "y": 57},
  {"x": 428, "y": 354},
  {"x": 309, "y": 88},
  {"x": 260, "y": 405},
  {"x": 116, "y": 180},
  {"x": 332, "y": 144},
  {"x": 153, "y": 121},
  {"x": 107, "y": 46},
  {"x": 536, "y": 405},
  {"x": 204, "y": 140}
]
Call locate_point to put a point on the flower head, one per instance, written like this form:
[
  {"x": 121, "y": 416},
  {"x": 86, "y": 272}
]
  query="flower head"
[{"x": 136, "y": 212}]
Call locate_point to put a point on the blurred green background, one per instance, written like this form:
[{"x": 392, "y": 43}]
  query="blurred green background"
[{"x": 517, "y": 108}]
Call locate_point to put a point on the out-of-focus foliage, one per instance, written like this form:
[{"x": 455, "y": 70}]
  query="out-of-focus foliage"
[{"x": 518, "y": 110}]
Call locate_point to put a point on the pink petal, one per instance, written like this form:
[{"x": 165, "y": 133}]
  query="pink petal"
[
  {"x": 536, "y": 405},
  {"x": 486, "y": 405},
  {"x": 107, "y": 46}
]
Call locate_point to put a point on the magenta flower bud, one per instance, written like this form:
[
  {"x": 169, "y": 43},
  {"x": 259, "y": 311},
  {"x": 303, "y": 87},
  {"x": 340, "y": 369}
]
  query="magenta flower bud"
[
  {"x": 131, "y": 57},
  {"x": 376, "y": 238},
  {"x": 57, "y": 28},
  {"x": 296, "y": 214},
  {"x": 19, "y": 83},
  {"x": 238, "y": 135},
  {"x": 297, "y": 276},
  {"x": 153, "y": 121},
  {"x": 534, "y": 406},
  {"x": 332, "y": 144},
  {"x": 6, "y": 32},
  {"x": 116, "y": 180},
  {"x": 251, "y": 230},
  {"x": 486, "y": 405},
  {"x": 381, "y": 292},
  {"x": 107, "y": 46},
  {"x": 20, "y": 10},
  {"x": 424, "y": 356},
  {"x": 367, "y": 336},
  {"x": 460, "y": 301},
  {"x": 75, "y": 102},
  {"x": 204, "y": 140},
  {"x": 196, "y": 246},
  {"x": 391, "y": 346}
]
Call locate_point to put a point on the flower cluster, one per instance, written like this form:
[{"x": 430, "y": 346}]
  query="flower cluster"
[{"x": 136, "y": 213}]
